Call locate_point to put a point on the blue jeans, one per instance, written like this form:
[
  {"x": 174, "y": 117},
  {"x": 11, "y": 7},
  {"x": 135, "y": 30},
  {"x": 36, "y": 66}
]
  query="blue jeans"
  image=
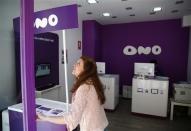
[{"x": 106, "y": 129}]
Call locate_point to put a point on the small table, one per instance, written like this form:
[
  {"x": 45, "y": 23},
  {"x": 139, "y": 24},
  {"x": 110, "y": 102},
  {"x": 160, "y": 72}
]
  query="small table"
[{"x": 179, "y": 103}]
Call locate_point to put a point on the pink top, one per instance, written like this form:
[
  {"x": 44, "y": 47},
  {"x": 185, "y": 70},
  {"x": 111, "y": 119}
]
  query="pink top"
[{"x": 86, "y": 111}]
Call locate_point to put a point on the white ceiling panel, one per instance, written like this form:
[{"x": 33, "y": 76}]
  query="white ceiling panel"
[{"x": 141, "y": 9}]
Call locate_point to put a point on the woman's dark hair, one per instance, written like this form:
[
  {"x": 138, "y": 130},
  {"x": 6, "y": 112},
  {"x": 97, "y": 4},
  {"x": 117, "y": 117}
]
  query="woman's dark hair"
[{"x": 90, "y": 74}]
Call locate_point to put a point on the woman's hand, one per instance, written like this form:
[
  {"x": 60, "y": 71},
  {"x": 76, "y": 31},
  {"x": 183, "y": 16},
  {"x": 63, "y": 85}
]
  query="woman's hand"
[
  {"x": 42, "y": 117},
  {"x": 56, "y": 119}
]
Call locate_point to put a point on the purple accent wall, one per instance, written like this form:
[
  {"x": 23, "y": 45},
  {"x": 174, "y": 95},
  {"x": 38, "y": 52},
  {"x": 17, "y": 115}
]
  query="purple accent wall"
[
  {"x": 169, "y": 34},
  {"x": 92, "y": 39}
]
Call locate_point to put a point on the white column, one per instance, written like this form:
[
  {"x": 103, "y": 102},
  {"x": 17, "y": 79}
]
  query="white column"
[{"x": 65, "y": 68}]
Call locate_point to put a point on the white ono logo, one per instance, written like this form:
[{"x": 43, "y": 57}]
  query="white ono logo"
[
  {"x": 52, "y": 21},
  {"x": 130, "y": 50}
]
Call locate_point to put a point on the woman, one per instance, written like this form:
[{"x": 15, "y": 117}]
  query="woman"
[{"x": 87, "y": 100}]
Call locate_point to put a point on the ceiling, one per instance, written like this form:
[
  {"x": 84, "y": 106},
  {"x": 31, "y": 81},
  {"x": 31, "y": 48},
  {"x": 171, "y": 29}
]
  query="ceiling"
[{"x": 140, "y": 11}]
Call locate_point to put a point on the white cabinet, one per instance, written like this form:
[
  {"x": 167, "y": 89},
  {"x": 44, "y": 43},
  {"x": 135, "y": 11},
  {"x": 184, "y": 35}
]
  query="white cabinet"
[
  {"x": 150, "y": 96},
  {"x": 111, "y": 90},
  {"x": 53, "y": 93},
  {"x": 5, "y": 121}
]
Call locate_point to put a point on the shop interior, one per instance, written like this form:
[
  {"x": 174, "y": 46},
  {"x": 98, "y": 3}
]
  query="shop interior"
[{"x": 142, "y": 50}]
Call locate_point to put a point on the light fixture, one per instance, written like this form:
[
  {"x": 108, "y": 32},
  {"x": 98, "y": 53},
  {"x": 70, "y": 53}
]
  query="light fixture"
[
  {"x": 132, "y": 15},
  {"x": 174, "y": 11},
  {"x": 114, "y": 17},
  {"x": 89, "y": 13},
  {"x": 92, "y": 1},
  {"x": 106, "y": 14},
  {"x": 79, "y": 5},
  {"x": 157, "y": 9},
  {"x": 129, "y": 8},
  {"x": 179, "y": 2},
  {"x": 152, "y": 13}
]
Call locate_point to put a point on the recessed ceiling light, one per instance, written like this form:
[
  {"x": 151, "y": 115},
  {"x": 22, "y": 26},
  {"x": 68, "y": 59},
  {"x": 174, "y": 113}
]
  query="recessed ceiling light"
[
  {"x": 79, "y": 5},
  {"x": 152, "y": 13},
  {"x": 132, "y": 15},
  {"x": 174, "y": 11},
  {"x": 179, "y": 2},
  {"x": 106, "y": 14},
  {"x": 157, "y": 9},
  {"x": 129, "y": 8},
  {"x": 114, "y": 17},
  {"x": 92, "y": 1},
  {"x": 89, "y": 13},
  {"x": 123, "y": 0}
]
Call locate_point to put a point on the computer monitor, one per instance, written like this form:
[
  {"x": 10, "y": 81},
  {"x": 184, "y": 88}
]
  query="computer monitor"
[
  {"x": 100, "y": 67},
  {"x": 146, "y": 69},
  {"x": 42, "y": 70}
]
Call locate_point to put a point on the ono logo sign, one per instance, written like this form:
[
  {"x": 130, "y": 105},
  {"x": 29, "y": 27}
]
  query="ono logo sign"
[
  {"x": 131, "y": 50},
  {"x": 52, "y": 20}
]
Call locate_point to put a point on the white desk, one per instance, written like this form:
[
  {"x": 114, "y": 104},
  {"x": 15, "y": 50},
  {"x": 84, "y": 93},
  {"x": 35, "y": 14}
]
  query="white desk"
[{"x": 178, "y": 103}]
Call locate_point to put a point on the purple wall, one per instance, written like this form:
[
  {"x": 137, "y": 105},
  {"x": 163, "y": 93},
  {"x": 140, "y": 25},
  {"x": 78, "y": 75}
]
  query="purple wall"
[
  {"x": 168, "y": 34},
  {"x": 92, "y": 39}
]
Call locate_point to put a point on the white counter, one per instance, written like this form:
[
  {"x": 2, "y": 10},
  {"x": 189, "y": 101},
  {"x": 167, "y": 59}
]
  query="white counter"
[
  {"x": 47, "y": 107},
  {"x": 150, "y": 96}
]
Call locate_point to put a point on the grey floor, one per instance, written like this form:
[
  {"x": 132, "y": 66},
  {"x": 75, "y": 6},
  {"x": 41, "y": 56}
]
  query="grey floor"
[{"x": 122, "y": 120}]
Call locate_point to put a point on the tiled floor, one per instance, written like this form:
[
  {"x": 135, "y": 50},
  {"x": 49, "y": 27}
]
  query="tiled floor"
[{"x": 122, "y": 120}]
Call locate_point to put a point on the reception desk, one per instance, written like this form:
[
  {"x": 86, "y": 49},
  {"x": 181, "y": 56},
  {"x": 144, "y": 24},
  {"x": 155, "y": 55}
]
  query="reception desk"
[{"x": 47, "y": 107}]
